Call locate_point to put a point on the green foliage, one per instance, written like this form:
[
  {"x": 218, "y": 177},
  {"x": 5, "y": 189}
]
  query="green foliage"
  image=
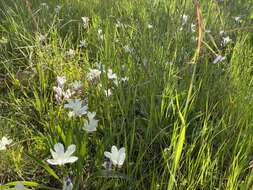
[{"x": 184, "y": 126}]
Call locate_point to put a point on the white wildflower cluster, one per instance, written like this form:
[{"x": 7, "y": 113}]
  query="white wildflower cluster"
[
  {"x": 94, "y": 75},
  {"x": 61, "y": 94},
  {"x": 114, "y": 78},
  {"x": 185, "y": 21},
  {"x": 76, "y": 86},
  {"x": 60, "y": 157},
  {"x": 77, "y": 108}
]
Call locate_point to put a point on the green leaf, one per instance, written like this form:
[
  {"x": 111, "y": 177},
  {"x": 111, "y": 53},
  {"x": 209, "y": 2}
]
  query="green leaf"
[
  {"x": 61, "y": 133},
  {"x": 26, "y": 183}
]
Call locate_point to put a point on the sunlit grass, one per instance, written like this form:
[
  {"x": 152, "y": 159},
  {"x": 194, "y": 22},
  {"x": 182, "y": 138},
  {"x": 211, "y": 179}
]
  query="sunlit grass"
[{"x": 181, "y": 118}]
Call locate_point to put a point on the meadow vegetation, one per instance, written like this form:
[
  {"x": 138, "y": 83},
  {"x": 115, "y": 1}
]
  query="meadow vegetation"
[{"x": 143, "y": 94}]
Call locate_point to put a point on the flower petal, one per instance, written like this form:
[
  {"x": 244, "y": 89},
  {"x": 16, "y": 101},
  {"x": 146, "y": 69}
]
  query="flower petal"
[
  {"x": 122, "y": 150},
  {"x": 54, "y": 154},
  {"x": 53, "y": 162},
  {"x": 115, "y": 155},
  {"x": 71, "y": 159},
  {"x": 114, "y": 149},
  {"x": 121, "y": 158},
  {"x": 19, "y": 186},
  {"x": 59, "y": 148},
  {"x": 107, "y": 154},
  {"x": 2, "y": 147},
  {"x": 70, "y": 150}
]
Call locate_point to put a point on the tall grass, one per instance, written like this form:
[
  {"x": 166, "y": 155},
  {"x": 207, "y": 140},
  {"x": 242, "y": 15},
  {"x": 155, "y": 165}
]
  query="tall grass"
[{"x": 184, "y": 125}]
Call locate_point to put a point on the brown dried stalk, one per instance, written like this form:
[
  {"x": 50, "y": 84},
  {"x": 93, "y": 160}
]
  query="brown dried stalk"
[
  {"x": 30, "y": 12},
  {"x": 200, "y": 31}
]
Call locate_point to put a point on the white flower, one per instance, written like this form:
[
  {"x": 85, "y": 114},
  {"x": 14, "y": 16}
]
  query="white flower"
[
  {"x": 116, "y": 156},
  {"x": 185, "y": 19},
  {"x": 3, "y": 40},
  {"x": 85, "y": 20},
  {"x": 111, "y": 75},
  {"x": 76, "y": 85},
  {"x": 108, "y": 92},
  {"x": 70, "y": 52},
  {"x": 67, "y": 184},
  {"x": 218, "y": 59},
  {"x": 222, "y": 32},
  {"x": 60, "y": 157},
  {"x": 116, "y": 40},
  {"x": 4, "y": 142},
  {"x": 119, "y": 24},
  {"x": 61, "y": 80},
  {"x": 67, "y": 94},
  {"x": 91, "y": 126},
  {"x": 58, "y": 90},
  {"x": 100, "y": 65},
  {"x": 208, "y": 31},
  {"x": 41, "y": 37},
  {"x": 150, "y": 26},
  {"x": 124, "y": 79},
  {"x": 193, "y": 27},
  {"x": 76, "y": 107},
  {"x": 45, "y": 5},
  {"x": 100, "y": 34},
  {"x": 94, "y": 74},
  {"x": 237, "y": 18},
  {"x": 19, "y": 186},
  {"x": 100, "y": 31},
  {"x": 194, "y": 38},
  {"x": 226, "y": 40},
  {"x": 57, "y": 9},
  {"x": 83, "y": 43},
  {"x": 58, "y": 93},
  {"x": 127, "y": 49}
]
